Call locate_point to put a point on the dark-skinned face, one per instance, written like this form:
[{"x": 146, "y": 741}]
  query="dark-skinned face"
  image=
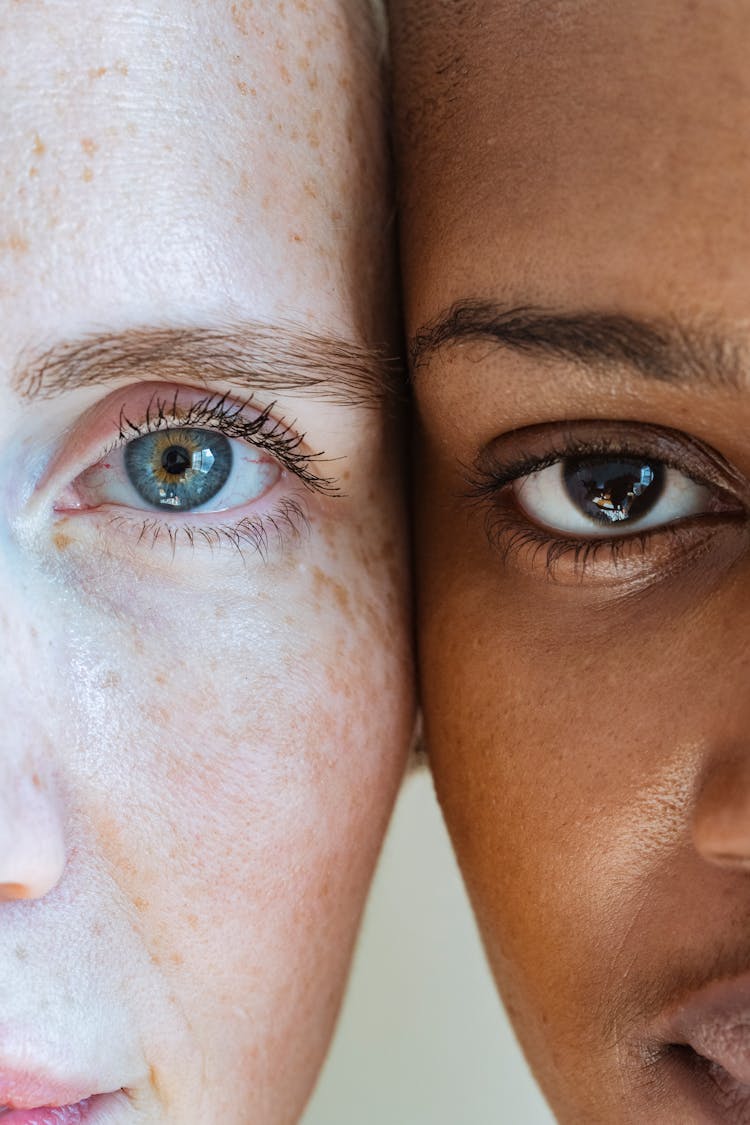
[{"x": 576, "y": 247}]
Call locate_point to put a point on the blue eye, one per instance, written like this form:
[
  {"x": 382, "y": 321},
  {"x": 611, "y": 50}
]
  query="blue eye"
[{"x": 180, "y": 468}]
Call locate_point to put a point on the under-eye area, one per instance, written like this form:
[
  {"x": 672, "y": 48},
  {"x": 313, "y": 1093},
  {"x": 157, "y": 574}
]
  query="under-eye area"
[
  {"x": 590, "y": 499},
  {"x": 174, "y": 465}
]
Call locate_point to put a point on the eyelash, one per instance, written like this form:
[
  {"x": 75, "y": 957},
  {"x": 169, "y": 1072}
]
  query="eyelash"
[
  {"x": 221, "y": 413},
  {"x": 510, "y": 531},
  {"x": 229, "y": 417}
]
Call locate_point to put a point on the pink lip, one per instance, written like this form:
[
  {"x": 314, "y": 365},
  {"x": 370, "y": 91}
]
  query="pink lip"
[
  {"x": 715, "y": 1023},
  {"x": 33, "y": 1099}
]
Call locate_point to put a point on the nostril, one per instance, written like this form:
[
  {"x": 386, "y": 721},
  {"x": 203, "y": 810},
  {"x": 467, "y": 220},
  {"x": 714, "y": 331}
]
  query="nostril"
[{"x": 11, "y": 891}]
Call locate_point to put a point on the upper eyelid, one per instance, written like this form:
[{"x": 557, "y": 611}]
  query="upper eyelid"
[
  {"x": 678, "y": 450},
  {"x": 105, "y": 419}
]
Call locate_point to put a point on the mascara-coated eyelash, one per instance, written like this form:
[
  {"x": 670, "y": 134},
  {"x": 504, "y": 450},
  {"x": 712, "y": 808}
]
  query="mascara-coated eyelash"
[
  {"x": 598, "y": 492},
  {"x": 187, "y": 471},
  {"x": 222, "y": 413}
]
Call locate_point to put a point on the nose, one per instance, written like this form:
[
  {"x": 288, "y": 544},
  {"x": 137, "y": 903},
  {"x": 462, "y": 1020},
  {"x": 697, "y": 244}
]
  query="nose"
[
  {"x": 32, "y": 841},
  {"x": 721, "y": 816}
]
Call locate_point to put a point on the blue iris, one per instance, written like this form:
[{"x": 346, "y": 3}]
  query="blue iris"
[{"x": 179, "y": 469}]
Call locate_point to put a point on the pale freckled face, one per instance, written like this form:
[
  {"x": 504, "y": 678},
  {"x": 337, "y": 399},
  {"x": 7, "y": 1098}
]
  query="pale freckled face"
[{"x": 189, "y": 713}]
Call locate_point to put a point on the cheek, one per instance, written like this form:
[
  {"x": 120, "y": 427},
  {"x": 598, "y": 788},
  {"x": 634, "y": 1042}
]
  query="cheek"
[{"x": 566, "y": 738}]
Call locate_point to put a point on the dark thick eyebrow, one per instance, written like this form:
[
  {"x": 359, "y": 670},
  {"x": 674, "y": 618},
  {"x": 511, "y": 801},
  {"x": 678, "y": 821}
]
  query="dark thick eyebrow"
[
  {"x": 659, "y": 349},
  {"x": 252, "y": 356}
]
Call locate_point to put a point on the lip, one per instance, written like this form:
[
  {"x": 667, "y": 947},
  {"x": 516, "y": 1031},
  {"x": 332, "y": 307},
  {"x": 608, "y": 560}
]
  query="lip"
[
  {"x": 709, "y": 1035},
  {"x": 87, "y": 1111},
  {"x": 35, "y": 1099}
]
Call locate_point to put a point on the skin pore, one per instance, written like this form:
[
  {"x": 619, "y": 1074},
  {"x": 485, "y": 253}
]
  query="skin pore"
[
  {"x": 576, "y": 253},
  {"x": 195, "y": 778}
]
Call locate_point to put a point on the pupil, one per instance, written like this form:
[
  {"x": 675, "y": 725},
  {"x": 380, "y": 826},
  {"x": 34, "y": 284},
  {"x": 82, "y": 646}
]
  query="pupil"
[
  {"x": 176, "y": 460},
  {"x": 612, "y": 491}
]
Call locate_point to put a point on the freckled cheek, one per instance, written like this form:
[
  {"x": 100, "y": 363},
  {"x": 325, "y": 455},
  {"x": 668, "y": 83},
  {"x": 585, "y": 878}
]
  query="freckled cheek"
[{"x": 243, "y": 760}]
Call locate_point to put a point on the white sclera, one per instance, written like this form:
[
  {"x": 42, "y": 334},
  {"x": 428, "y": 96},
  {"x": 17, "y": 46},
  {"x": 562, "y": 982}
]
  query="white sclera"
[
  {"x": 107, "y": 482},
  {"x": 544, "y": 498}
]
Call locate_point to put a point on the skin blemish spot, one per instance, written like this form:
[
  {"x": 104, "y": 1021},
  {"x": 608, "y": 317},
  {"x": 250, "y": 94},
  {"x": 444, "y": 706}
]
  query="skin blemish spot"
[
  {"x": 239, "y": 19},
  {"x": 97, "y": 72},
  {"x": 16, "y": 244},
  {"x": 61, "y": 540},
  {"x": 88, "y": 145},
  {"x": 243, "y": 88},
  {"x": 22, "y": 953},
  {"x": 39, "y": 146}
]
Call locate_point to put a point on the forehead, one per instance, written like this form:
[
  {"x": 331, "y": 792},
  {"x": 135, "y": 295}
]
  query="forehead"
[
  {"x": 166, "y": 156},
  {"x": 575, "y": 151}
]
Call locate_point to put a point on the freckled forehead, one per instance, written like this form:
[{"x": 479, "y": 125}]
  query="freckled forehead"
[{"x": 206, "y": 141}]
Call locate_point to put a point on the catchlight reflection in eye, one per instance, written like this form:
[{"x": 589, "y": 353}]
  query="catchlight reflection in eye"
[
  {"x": 180, "y": 469},
  {"x": 603, "y": 497}
]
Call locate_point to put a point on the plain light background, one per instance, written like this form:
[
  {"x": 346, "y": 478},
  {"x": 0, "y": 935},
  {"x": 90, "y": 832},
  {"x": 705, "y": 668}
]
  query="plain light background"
[{"x": 423, "y": 1039}]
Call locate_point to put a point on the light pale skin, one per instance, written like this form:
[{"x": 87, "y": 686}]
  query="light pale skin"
[
  {"x": 576, "y": 243},
  {"x": 205, "y": 713}
]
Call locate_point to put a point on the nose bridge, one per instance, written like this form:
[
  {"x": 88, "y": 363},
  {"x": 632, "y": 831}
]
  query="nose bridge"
[{"x": 32, "y": 839}]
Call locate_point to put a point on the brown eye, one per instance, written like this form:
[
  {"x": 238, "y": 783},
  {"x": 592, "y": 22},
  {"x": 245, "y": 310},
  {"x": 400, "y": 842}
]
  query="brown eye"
[
  {"x": 599, "y": 497},
  {"x": 613, "y": 492}
]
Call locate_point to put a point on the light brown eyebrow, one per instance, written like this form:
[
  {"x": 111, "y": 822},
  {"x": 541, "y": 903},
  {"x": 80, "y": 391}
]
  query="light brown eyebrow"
[
  {"x": 254, "y": 356},
  {"x": 665, "y": 350}
]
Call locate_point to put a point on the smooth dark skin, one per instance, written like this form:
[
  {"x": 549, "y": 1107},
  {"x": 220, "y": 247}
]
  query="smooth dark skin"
[{"x": 587, "y": 725}]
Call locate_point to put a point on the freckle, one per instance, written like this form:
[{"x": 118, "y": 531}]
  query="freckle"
[
  {"x": 121, "y": 67},
  {"x": 314, "y": 140},
  {"x": 192, "y": 921},
  {"x": 97, "y": 72},
  {"x": 33, "y": 171},
  {"x": 39, "y": 145},
  {"x": 242, "y": 87},
  {"x": 286, "y": 77},
  {"x": 176, "y": 959},
  {"x": 140, "y": 904},
  {"x": 35, "y": 781},
  {"x": 88, "y": 145},
  {"x": 16, "y": 244},
  {"x": 87, "y": 175},
  {"x": 239, "y": 19}
]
